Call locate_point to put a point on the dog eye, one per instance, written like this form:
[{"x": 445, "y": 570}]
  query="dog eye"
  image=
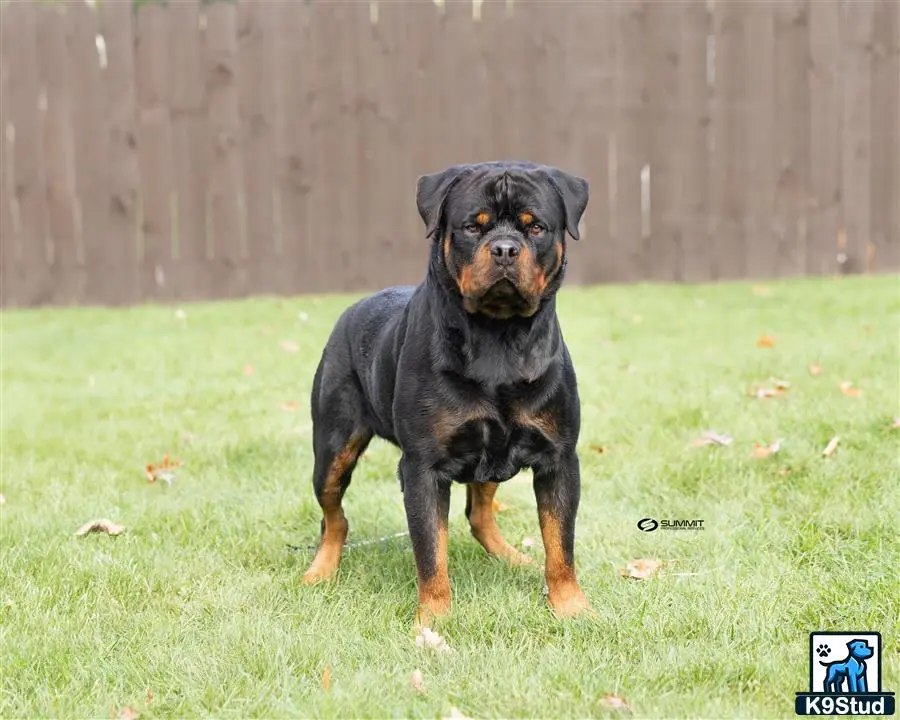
[
  {"x": 471, "y": 228},
  {"x": 536, "y": 229}
]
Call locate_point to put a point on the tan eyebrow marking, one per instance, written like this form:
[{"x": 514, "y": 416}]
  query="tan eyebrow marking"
[
  {"x": 527, "y": 218},
  {"x": 482, "y": 218}
]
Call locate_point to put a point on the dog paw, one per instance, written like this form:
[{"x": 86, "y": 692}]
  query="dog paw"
[
  {"x": 822, "y": 650},
  {"x": 571, "y": 606}
]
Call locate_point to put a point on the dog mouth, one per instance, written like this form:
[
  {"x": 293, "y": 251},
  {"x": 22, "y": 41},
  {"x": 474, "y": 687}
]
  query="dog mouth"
[{"x": 502, "y": 300}]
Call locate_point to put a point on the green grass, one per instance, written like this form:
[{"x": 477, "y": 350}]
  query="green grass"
[{"x": 200, "y": 600}]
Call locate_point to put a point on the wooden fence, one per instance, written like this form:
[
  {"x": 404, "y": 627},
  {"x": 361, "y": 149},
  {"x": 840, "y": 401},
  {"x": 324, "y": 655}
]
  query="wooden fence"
[{"x": 189, "y": 150}]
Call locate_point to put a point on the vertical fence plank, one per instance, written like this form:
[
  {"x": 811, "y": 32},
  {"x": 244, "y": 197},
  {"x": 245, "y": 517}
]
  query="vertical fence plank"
[
  {"x": 694, "y": 96},
  {"x": 590, "y": 50},
  {"x": 497, "y": 26},
  {"x": 300, "y": 256},
  {"x": 791, "y": 139},
  {"x": 192, "y": 271},
  {"x": 824, "y": 137},
  {"x": 885, "y": 113},
  {"x": 54, "y": 29},
  {"x": 379, "y": 184},
  {"x": 157, "y": 270},
  {"x": 757, "y": 131},
  {"x": 257, "y": 81},
  {"x": 631, "y": 150},
  {"x": 123, "y": 175},
  {"x": 856, "y": 134},
  {"x": 661, "y": 250},
  {"x": 224, "y": 158},
  {"x": 89, "y": 118},
  {"x": 729, "y": 117},
  {"x": 34, "y": 280},
  {"x": 9, "y": 241}
]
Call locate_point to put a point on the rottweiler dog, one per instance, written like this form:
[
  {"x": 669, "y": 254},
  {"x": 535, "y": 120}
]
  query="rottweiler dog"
[{"x": 467, "y": 374}]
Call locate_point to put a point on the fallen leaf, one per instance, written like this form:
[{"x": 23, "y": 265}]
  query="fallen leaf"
[
  {"x": 711, "y": 437},
  {"x": 614, "y": 702},
  {"x": 641, "y": 569},
  {"x": 767, "y": 392},
  {"x": 430, "y": 640},
  {"x": 527, "y": 543},
  {"x": 894, "y": 426},
  {"x": 101, "y": 525},
  {"x": 764, "y": 451},
  {"x": 456, "y": 714},
  {"x": 765, "y": 341},
  {"x": 599, "y": 449},
  {"x": 848, "y": 389},
  {"x": 164, "y": 471},
  {"x": 417, "y": 681},
  {"x": 779, "y": 384},
  {"x": 831, "y": 447},
  {"x": 249, "y": 369},
  {"x": 149, "y": 696},
  {"x": 815, "y": 369},
  {"x": 326, "y": 678},
  {"x": 289, "y": 346},
  {"x": 762, "y": 290},
  {"x": 290, "y": 406},
  {"x": 127, "y": 713},
  {"x": 498, "y": 507}
]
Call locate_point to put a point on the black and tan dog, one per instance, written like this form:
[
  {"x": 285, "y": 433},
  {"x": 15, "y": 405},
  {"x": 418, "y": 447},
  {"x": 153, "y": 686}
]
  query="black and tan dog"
[{"x": 467, "y": 373}]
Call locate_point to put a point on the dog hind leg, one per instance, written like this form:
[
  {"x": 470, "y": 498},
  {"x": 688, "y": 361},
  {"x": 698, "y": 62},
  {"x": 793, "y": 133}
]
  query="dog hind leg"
[
  {"x": 339, "y": 438},
  {"x": 480, "y": 514}
]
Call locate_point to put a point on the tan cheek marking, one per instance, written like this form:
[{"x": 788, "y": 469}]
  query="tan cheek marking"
[{"x": 447, "y": 240}]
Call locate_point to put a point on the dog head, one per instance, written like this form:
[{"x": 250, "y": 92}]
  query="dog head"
[
  {"x": 859, "y": 649},
  {"x": 502, "y": 230}
]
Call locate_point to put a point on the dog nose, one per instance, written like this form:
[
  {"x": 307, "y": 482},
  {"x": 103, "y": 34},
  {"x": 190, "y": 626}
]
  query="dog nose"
[{"x": 504, "y": 251}]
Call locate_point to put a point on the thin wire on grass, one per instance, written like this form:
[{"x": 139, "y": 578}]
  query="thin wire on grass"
[{"x": 352, "y": 545}]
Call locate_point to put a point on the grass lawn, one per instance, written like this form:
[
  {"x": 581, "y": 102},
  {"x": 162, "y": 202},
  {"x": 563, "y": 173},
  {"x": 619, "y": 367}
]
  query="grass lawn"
[{"x": 199, "y": 601}]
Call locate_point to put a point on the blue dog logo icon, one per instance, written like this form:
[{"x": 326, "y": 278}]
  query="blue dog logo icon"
[
  {"x": 851, "y": 670},
  {"x": 845, "y": 676}
]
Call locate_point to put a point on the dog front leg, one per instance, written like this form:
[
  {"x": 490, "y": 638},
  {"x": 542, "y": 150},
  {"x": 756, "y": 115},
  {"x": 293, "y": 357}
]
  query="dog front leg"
[
  {"x": 426, "y": 498},
  {"x": 557, "y": 489}
]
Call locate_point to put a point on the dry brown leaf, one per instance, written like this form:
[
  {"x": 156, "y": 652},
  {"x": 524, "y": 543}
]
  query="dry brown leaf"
[
  {"x": 614, "y": 702},
  {"x": 641, "y": 569},
  {"x": 848, "y": 389},
  {"x": 249, "y": 369},
  {"x": 767, "y": 392},
  {"x": 765, "y": 341},
  {"x": 711, "y": 437},
  {"x": 764, "y": 451},
  {"x": 290, "y": 406},
  {"x": 498, "y": 507},
  {"x": 101, "y": 525},
  {"x": 779, "y": 384},
  {"x": 894, "y": 426},
  {"x": 127, "y": 713},
  {"x": 429, "y": 639},
  {"x": 149, "y": 697},
  {"x": 417, "y": 681},
  {"x": 599, "y": 449},
  {"x": 762, "y": 290},
  {"x": 289, "y": 346},
  {"x": 815, "y": 369},
  {"x": 164, "y": 470},
  {"x": 831, "y": 447},
  {"x": 326, "y": 678},
  {"x": 456, "y": 714}
]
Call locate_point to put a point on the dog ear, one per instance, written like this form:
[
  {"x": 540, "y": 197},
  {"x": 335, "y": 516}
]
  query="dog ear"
[
  {"x": 431, "y": 193},
  {"x": 574, "y": 192}
]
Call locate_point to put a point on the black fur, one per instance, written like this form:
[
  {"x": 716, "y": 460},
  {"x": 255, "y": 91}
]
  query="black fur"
[{"x": 455, "y": 376}]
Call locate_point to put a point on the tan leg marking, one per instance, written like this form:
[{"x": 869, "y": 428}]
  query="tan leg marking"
[{"x": 484, "y": 526}]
